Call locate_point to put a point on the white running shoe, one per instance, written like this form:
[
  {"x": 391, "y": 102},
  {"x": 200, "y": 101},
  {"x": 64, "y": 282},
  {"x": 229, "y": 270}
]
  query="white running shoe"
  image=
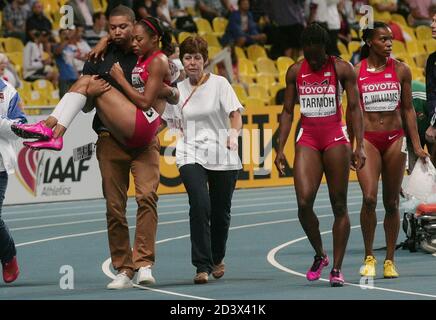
[
  {"x": 122, "y": 281},
  {"x": 144, "y": 276}
]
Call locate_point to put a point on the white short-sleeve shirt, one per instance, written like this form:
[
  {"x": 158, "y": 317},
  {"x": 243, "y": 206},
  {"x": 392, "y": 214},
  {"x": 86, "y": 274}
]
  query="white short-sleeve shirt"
[{"x": 205, "y": 124}]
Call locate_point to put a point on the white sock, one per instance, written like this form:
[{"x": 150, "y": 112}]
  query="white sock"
[{"x": 68, "y": 108}]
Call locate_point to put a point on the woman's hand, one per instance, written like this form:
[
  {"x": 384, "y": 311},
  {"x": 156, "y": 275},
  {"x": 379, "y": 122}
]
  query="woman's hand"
[
  {"x": 420, "y": 153},
  {"x": 232, "y": 140},
  {"x": 280, "y": 162},
  {"x": 358, "y": 158},
  {"x": 97, "y": 87},
  {"x": 117, "y": 72}
]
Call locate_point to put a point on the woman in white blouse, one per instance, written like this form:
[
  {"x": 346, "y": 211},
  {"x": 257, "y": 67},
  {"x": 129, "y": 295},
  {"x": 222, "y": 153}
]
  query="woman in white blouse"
[{"x": 209, "y": 120}]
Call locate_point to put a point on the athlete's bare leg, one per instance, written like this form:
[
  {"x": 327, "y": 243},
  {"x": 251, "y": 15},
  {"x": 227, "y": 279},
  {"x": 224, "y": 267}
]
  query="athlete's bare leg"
[
  {"x": 337, "y": 170},
  {"x": 308, "y": 174},
  {"x": 368, "y": 179},
  {"x": 394, "y": 163}
]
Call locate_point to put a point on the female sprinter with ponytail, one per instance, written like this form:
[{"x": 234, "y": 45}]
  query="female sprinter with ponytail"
[
  {"x": 386, "y": 98},
  {"x": 133, "y": 118}
]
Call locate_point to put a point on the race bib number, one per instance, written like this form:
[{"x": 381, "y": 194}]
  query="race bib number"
[
  {"x": 321, "y": 105},
  {"x": 380, "y": 97}
]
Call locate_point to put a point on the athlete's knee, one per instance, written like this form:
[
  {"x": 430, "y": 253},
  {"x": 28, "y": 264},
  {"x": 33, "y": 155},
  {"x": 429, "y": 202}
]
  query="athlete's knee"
[
  {"x": 339, "y": 207},
  {"x": 81, "y": 85},
  {"x": 391, "y": 206},
  {"x": 369, "y": 202},
  {"x": 305, "y": 205}
]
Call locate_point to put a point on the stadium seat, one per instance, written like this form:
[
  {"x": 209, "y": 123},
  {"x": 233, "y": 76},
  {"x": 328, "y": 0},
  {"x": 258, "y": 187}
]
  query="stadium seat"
[
  {"x": 423, "y": 33},
  {"x": 240, "y": 92},
  {"x": 406, "y": 58},
  {"x": 431, "y": 46},
  {"x": 283, "y": 63},
  {"x": 398, "y": 47},
  {"x": 37, "y": 99},
  {"x": 211, "y": 40},
  {"x": 266, "y": 80},
  {"x": 266, "y": 66},
  {"x": 353, "y": 46},
  {"x": 43, "y": 86},
  {"x": 246, "y": 79},
  {"x": 246, "y": 67},
  {"x": 13, "y": 45},
  {"x": 219, "y": 25},
  {"x": 257, "y": 91},
  {"x": 240, "y": 53},
  {"x": 252, "y": 102},
  {"x": 415, "y": 47},
  {"x": 398, "y": 18},
  {"x": 384, "y": 16},
  {"x": 213, "y": 51},
  {"x": 342, "y": 48},
  {"x": 255, "y": 51},
  {"x": 203, "y": 26},
  {"x": 53, "y": 97},
  {"x": 421, "y": 60},
  {"x": 183, "y": 35}
]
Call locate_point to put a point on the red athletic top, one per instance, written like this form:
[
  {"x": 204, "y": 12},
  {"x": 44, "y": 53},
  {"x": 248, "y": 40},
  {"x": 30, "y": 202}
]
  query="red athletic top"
[
  {"x": 379, "y": 91},
  {"x": 140, "y": 72},
  {"x": 319, "y": 94}
]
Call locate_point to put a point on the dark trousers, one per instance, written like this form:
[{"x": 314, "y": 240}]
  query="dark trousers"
[
  {"x": 7, "y": 245},
  {"x": 209, "y": 213}
]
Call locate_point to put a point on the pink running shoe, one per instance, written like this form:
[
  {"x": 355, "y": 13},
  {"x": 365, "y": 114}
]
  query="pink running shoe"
[
  {"x": 336, "y": 278},
  {"x": 33, "y": 131},
  {"x": 55, "y": 144},
  {"x": 314, "y": 273},
  {"x": 10, "y": 270}
]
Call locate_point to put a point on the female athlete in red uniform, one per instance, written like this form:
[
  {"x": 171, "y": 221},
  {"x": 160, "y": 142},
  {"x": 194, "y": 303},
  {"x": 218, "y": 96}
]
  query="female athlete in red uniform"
[
  {"x": 322, "y": 144},
  {"x": 386, "y": 98},
  {"x": 132, "y": 122}
]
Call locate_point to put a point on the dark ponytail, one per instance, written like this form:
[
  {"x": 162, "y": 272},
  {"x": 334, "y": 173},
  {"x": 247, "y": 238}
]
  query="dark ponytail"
[
  {"x": 367, "y": 35},
  {"x": 154, "y": 27}
]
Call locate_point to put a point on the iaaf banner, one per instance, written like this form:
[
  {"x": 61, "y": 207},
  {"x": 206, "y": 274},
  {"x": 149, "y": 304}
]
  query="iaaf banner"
[{"x": 46, "y": 176}]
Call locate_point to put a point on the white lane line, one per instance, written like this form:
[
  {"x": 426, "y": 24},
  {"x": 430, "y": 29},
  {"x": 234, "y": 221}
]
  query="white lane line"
[
  {"x": 251, "y": 213},
  {"x": 58, "y": 206},
  {"x": 105, "y": 267},
  {"x": 272, "y": 260},
  {"x": 288, "y": 201}
]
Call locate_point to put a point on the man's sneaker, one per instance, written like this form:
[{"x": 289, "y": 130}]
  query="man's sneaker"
[
  {"x": 144, "y": 276},
  {"x": 121, "y": 281},
  {"x": 10, "y": 270},
  {"x": 389, "y": 270},
  {"x": 32, "y": 131},
  {"x": 201, "y": 278},
  {"x": 218, "y": 270},
  {"x": 314, "y": 273},
  {"x": 368, "y": 269},
  {"x": 336, "y": 278},
  {"x": 55, "y": 144}
]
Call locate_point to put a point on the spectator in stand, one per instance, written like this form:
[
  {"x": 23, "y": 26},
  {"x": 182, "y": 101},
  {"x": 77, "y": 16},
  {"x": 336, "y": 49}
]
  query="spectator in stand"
[
  {"x": 258, "y": 9},
  {"x": 64, "y": 54},
  {"x": 82, "y": 49},
  {"x": 35, "y": 66},
  {"x": 83, "y": 11},
  {"x": 99, "y": 29},
  {"x": 242, "y": 30},
  {"x": 345, "y": 30},
  {"x": 7, "y": 71},
  {"x": 420, "y": 12},
  {"x": 163, "y": 13},
  {"x": 144, "y": 9},
  {"x": 14, "y": 18},
  {"x": 326, "y": 13},
  {"x": 288, "y": 16},
  {"x": 37, "y": 20},
  {"x": 210, "y": 9},
  {"x": 390, "y": 6}
]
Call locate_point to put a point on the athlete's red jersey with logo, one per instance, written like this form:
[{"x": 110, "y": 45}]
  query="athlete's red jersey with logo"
[
  {"x": 147, "y": 122},
  {"x": 320, "y": 107},
  {"x": 380, "y": 92}
]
